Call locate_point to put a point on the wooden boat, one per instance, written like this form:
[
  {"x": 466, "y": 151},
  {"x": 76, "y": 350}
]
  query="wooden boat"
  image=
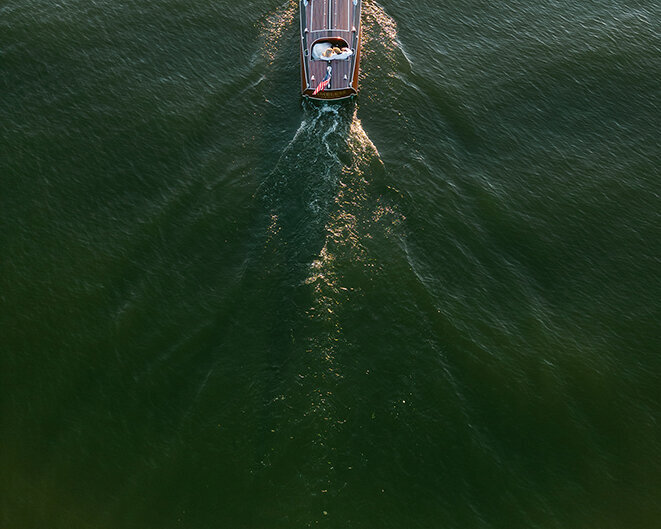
[{"x": 330, "y": 48}]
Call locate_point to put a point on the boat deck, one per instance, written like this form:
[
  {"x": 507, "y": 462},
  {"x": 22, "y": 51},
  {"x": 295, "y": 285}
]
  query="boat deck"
[
  {"x": 329, "y": 14},
  {"x": 330, "y": 19}
]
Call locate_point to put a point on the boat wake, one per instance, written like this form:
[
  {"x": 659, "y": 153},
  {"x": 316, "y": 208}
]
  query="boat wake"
[
  {"x": 326, "y": 208},
  {"x": 309, "y": 166}
]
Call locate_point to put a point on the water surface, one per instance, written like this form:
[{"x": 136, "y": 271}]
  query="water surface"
[{"x": 435, "y": 306}]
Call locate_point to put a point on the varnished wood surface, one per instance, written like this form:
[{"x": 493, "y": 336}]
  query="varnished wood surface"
[{"x": 339, "y": 18}]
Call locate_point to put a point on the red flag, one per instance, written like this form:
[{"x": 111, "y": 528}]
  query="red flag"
[{"x": 324, "y": 83}]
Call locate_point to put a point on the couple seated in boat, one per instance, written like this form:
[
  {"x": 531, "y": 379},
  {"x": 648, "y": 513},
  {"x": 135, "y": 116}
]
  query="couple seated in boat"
[{"x": 330, "y": 51}]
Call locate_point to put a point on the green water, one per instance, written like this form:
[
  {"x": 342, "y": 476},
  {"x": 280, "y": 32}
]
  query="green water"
[{"x": 435, "y": 306}]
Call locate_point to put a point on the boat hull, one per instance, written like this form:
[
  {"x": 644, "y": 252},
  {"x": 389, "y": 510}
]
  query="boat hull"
[{"x": 334, "y": 24}]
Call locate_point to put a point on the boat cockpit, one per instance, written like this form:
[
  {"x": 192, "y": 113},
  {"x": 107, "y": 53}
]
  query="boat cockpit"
[{"x": 334, "y": 49}]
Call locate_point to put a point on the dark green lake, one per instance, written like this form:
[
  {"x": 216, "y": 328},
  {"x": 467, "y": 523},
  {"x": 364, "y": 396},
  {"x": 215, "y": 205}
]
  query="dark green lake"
[{"x": 436, "y": 306}]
